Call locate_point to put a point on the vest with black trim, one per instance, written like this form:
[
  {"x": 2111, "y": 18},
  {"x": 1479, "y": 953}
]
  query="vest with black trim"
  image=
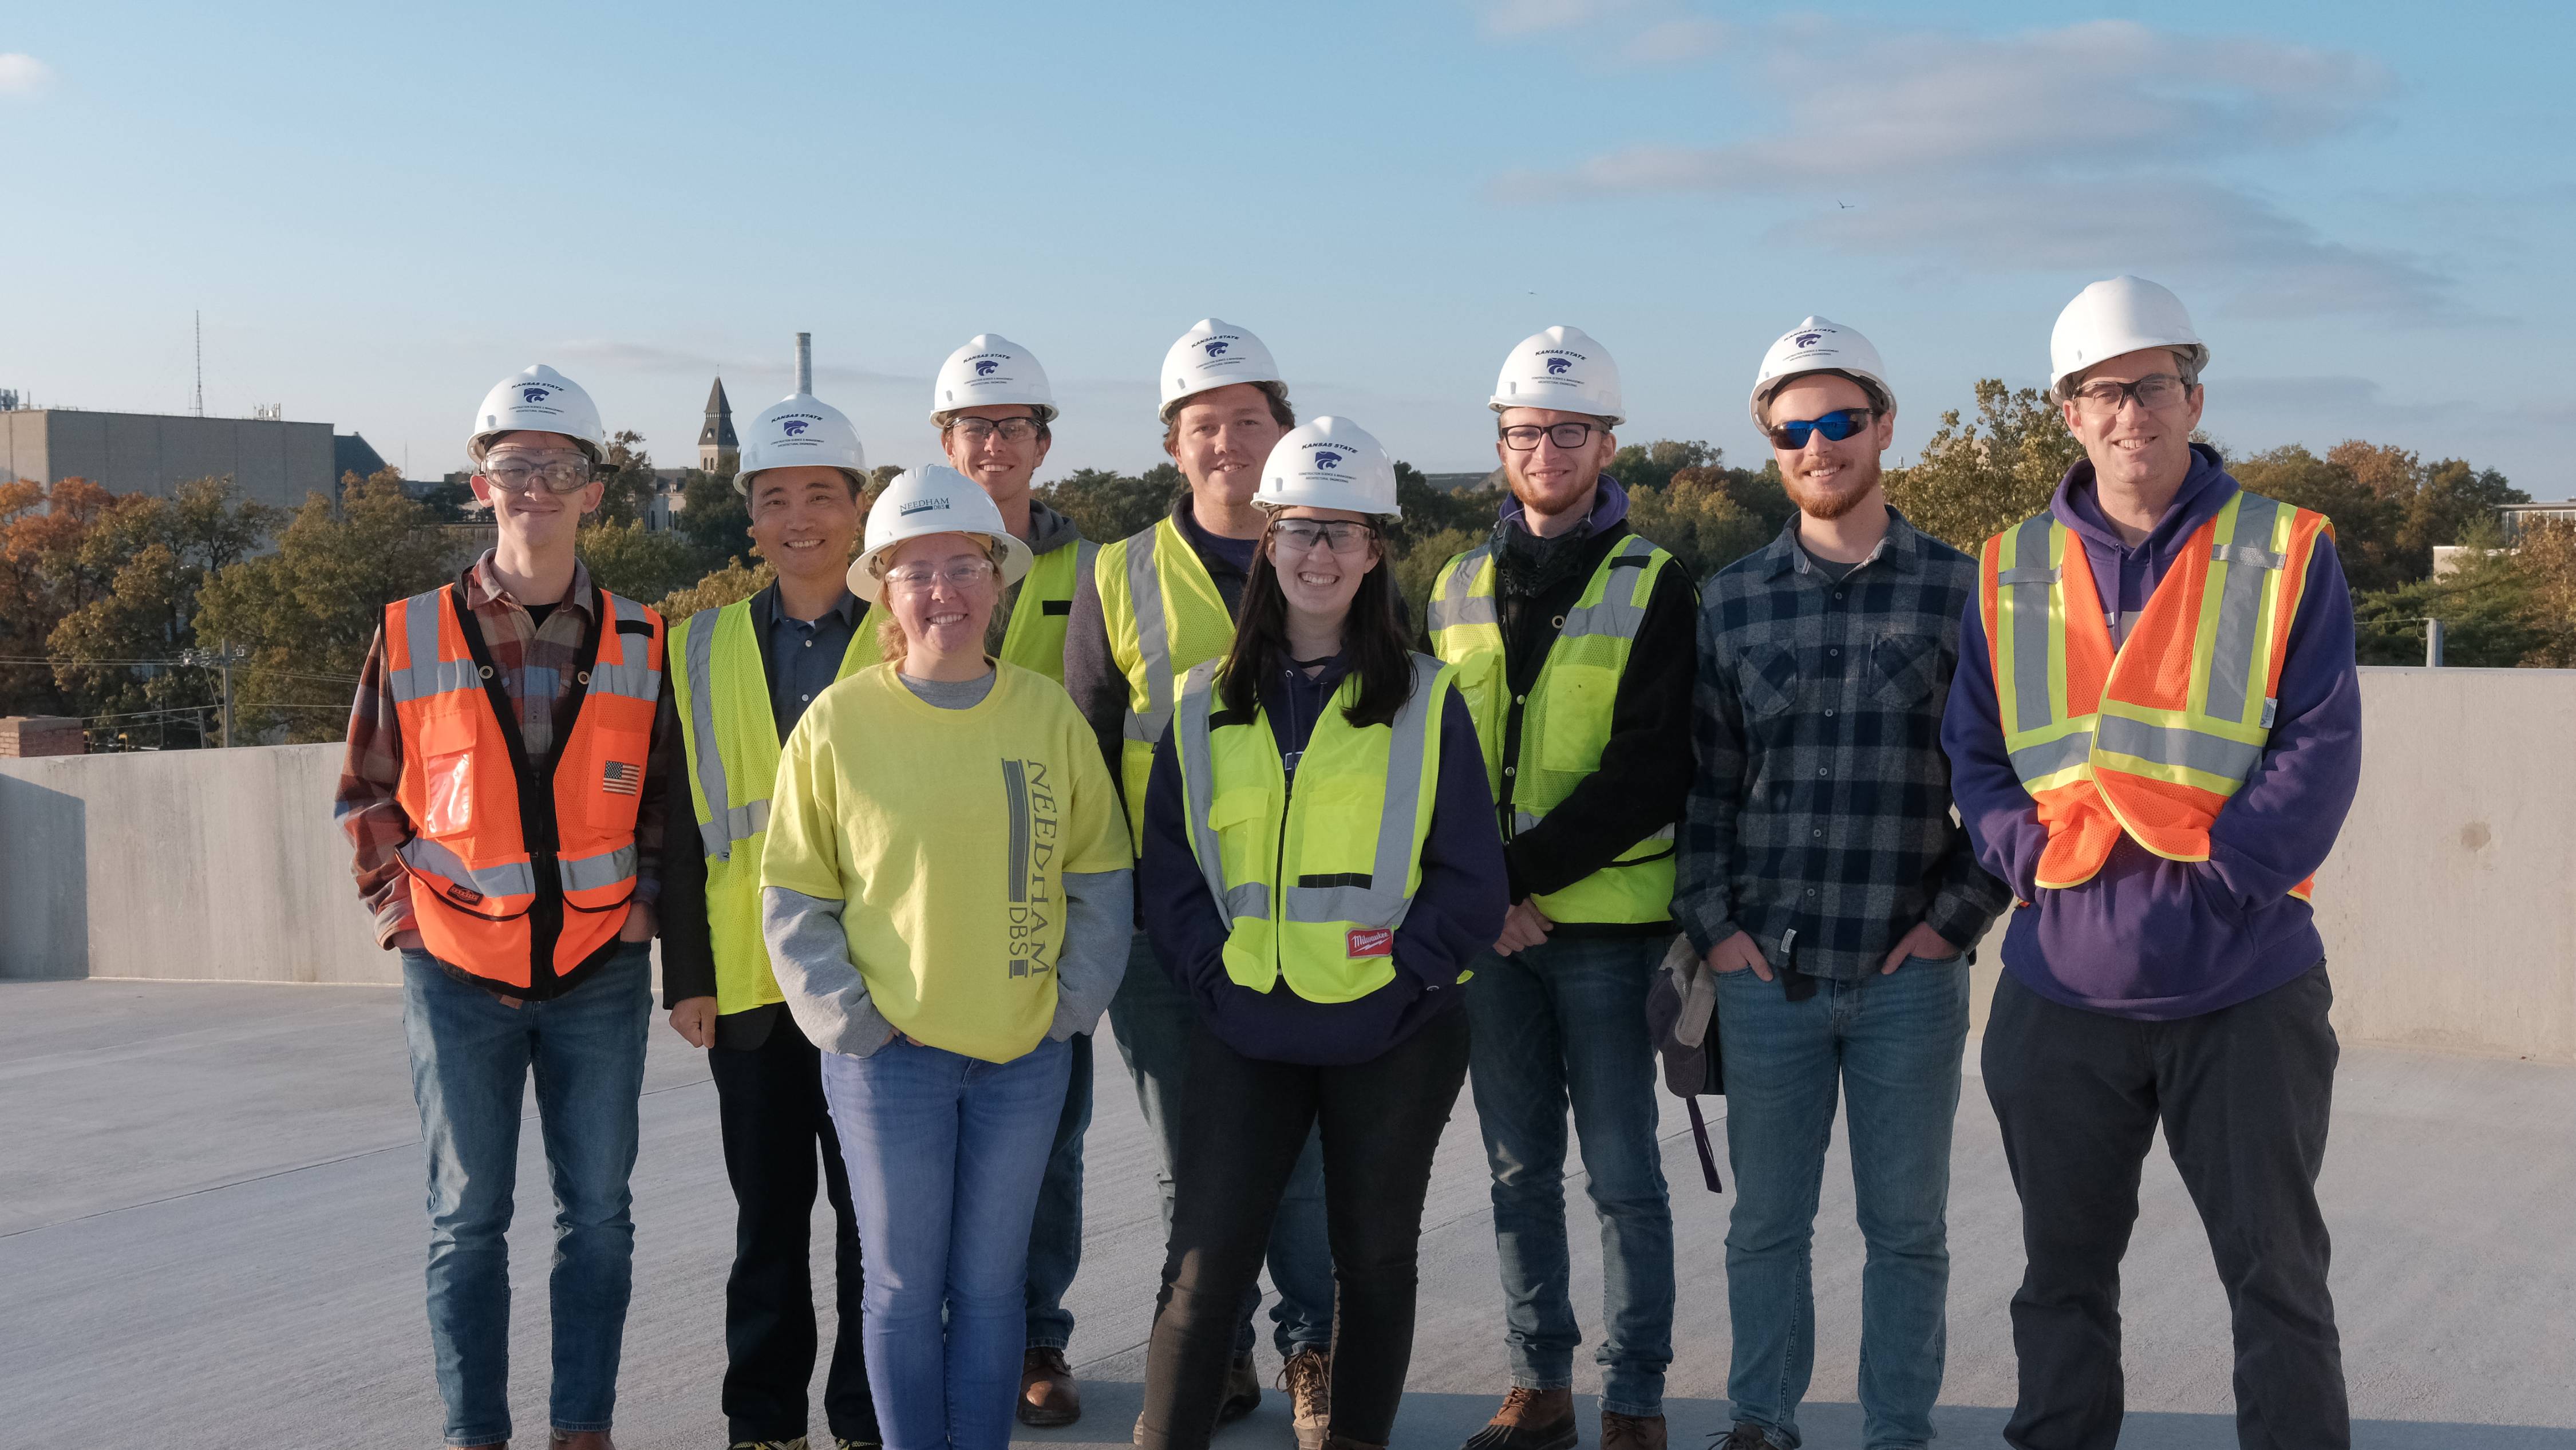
[
  {"x": 521, "y": 869},
  {"x": 1540, "y": 745},
  {"x": 1034, "y": 639},
  {"x": 1312, "y": 881},
  {"x": 729, "y": 735},
  {"x": 2150, "y": 738},
  {"x": 1165, "y": 616}
]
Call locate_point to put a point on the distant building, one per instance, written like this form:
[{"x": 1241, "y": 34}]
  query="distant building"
[
  {"x": 2515, "y": 514},
  {"x": 351, "y": 453},
  {"x": 270, "y": 460},
  {"x": 717, "y": 449}
]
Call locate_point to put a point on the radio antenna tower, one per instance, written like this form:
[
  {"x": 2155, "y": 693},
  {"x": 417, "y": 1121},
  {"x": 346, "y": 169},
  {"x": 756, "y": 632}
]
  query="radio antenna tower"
[{"x": 201, "y": 370}]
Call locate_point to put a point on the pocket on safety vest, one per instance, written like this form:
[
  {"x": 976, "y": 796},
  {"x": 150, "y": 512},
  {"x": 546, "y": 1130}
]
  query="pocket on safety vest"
[
  {"x": 616, "y": 760},
  {"x": 447, "y": 777},
  {"x": 1578, "y": 716}
]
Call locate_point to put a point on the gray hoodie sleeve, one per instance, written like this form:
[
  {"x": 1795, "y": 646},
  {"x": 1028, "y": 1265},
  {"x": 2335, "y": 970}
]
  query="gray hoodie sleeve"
[
  {"x": 1099, "y": 907},
  {"x": 811, "y": 955}
]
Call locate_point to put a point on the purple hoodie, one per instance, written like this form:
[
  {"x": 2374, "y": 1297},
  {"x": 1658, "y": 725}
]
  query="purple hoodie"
[{"x": 2150, "y": 938}]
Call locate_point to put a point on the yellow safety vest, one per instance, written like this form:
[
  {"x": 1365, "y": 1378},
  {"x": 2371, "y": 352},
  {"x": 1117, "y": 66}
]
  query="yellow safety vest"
[
  {"x": 1563, "y": 723},
  {"x": 1165, "y": 616},
  {"x": 1313, "y": 881},
  {"x": 730, "y": 733},
  {"x": 1034, "y": 639}
]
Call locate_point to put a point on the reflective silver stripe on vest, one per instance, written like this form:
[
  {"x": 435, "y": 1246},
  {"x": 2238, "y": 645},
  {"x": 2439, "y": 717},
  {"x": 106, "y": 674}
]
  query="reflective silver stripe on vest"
[
  {"x": 2033, "y": 583},
  {"x": 725, "y": 823},
  {"x": 2172, "y": 745},
  {"x": 2250, "y": 565},
  {"x": 594, "y": 873},
  {"x": 427, "y": 674},
  {"x": 1619, "y": 614},
  {"x": 2033, "y": 762},
  {"x": 1381, "y": 903},
  {"x": 516, "y": 878},
  {"x": 1456, "y": 603},
  {"x": 1153, "y": 638},
  {"x": 637, "y": 681}
]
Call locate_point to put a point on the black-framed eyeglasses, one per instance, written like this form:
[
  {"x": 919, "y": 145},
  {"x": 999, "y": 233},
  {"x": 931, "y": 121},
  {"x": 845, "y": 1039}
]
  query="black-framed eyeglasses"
[
  {"x": 1012, "y": 430},
  {"x": 1792, "y": 435},
  {"x": 517, "y": 473},
  {"x": 2154, "y": 391},
  {"x": 1347, "y": 536},
  {"x": 1522, "y": 437}
]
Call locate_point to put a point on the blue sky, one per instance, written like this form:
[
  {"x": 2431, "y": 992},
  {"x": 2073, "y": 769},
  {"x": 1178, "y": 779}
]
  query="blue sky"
[{"x": 382, "y": 210}]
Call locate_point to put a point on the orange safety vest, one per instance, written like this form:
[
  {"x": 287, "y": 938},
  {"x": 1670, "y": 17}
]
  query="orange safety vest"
[
  {"x": 521, "y": 869},
  {"x": 2152, "y": 737}
]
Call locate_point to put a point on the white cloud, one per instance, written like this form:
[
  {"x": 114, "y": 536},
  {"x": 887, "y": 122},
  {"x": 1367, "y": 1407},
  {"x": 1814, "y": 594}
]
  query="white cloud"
[
  {"x": 22, "y": 75},
  {"x": 2090, "y": 147},
  {"x": 1502, "y": 19},
  {"x": 1675, "y": 42}
]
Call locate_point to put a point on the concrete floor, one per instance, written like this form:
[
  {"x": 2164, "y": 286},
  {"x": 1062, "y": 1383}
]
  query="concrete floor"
[{"x": 211, "y": 1236}]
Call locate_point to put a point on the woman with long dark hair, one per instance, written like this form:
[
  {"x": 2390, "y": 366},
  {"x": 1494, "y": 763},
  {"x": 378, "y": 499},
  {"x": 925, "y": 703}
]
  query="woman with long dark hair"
[{"x": 1320, "y": 864}]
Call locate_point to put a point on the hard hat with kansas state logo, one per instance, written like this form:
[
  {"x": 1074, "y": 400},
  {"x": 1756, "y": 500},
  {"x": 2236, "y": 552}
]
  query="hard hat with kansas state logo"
[
  {"x": 1564, "y": 369},
  {"x": 991, "y": 371},
  {"x": 933, "y": 500},
  {"x": 539, "y": 400},
  {"x": 1215, "y": 354},
  {"x": 1330, "y": 463},
  {"x": 1821, "y": 346},
  {"x": 800, "y": 430}
]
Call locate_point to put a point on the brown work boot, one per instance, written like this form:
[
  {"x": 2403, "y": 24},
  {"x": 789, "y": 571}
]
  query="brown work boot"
[
  {"x": 1049, "y": 1395},
  {"x": 579, "y": 1440},
  {"x": 1529, "y": 1420},
  {"x": 1242, "y": 1391},
  {"x": 1631, "y": 1432},
  {"x": 1308, "y": 1379}
]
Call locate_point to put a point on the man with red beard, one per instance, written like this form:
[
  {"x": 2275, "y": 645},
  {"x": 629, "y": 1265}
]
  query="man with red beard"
[{"x": 1823, "y": 879}]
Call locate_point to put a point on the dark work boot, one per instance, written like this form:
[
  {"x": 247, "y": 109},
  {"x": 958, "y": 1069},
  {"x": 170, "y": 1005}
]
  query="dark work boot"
[{"x": 1529, "y": 1420}]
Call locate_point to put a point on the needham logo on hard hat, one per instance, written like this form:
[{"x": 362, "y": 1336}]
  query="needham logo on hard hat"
[{"x": 920, "y": 505}]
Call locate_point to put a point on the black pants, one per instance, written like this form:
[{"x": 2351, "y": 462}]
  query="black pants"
[
  {"x": 1243, "y": 1123},
  {"x": 2244, "y": 1094},
  {"x": 770, "y": 1100}
]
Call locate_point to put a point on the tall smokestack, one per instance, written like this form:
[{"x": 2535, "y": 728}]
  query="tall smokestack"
[{"x": 805, "y": 362}]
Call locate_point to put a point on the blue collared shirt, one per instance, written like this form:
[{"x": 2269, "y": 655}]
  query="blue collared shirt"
[{"x": 805, "y": 655}]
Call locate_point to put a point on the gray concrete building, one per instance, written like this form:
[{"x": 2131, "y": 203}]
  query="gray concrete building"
[{"x": 270, "y": 460}]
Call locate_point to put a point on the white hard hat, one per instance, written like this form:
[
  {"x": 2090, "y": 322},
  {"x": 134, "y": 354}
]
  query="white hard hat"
[
  {"x": 1819, "y": 346},
  {"x": 1564, "y": 369},
  {"x": 2120, "y": 315},
  {"x": 1214, "y": 354},
  {"x": 797, "y": 430},
  {"x": 933, "y": 500},
  {"x": 991, "y": 371},
  {"x": 539, "y": 400},
  {"x": 1330, "y": 463}
]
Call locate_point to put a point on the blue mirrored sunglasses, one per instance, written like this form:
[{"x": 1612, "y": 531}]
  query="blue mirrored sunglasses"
[{"x": 1836, "y": 426}]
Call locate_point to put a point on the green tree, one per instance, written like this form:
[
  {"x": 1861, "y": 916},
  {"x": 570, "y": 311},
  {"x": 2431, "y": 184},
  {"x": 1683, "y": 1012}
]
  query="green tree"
[
  {"x": 1975, "y": 480},
  {"x": 625, "y": 558},
  {"x": 631, "y": 481},
  {"x": 2367, "y": 522},
  {"x": 309, "y": 610},
  {"x": 2486, "y": 609},
  {"x": 1697, "y": 520},
  {"x": 42, "y": 579},
  {"x": 2455, "y": 504},
  {"x": 713, "y": 516},
  {"x": 449, "y": 502},
  {"x": 735, "y": 580},
  {"x": 1107, "y": 505},
  {"x": 1652, "y": 465},
  {"x": 156, "y": 554}
]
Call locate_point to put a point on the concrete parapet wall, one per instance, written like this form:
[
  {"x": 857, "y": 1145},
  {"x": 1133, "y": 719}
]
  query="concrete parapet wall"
[{"x": 2449, "y": 908}]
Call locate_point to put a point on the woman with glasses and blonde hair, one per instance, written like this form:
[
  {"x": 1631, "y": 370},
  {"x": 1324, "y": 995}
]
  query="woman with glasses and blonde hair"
[
  {"x": 1322, "y": 863},
  {"x": 946, "y": 897}
]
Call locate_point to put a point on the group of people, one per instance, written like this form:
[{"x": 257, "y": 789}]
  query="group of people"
[{"x": 912, "y": 818}]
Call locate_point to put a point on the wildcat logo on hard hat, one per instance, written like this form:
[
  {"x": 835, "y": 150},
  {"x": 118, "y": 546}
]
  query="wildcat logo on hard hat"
[
  {"x": 986, "y": 368},
  {"x": 1556, "y": 365},
  {"x": 795, "y": 426},
  {"x": 1810, "y": 339},
  {"x": 533, "y": 395},
  {"x": 1215, "y": 346},
  {"x": 1328, "y": 459}
]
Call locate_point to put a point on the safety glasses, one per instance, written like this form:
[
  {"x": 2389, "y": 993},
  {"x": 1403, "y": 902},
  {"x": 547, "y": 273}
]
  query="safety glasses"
[
  {"x": 1836, "y": 426},
  {"x": 519, "y": 472}
]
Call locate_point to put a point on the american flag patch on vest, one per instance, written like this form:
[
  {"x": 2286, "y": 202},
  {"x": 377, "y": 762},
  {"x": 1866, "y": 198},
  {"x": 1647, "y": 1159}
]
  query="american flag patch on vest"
[{"x": 619, "y": 778}]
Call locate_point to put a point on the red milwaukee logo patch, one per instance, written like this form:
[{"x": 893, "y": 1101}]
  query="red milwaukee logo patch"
[{"x": 1372, "y": 941}]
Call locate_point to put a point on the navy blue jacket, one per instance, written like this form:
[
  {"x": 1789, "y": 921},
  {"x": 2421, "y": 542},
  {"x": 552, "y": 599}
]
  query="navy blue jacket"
[{"x": 1455, "y": 916}]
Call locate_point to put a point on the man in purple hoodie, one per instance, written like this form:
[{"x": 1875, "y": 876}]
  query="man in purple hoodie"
[{"x": 2157, "y": 987}]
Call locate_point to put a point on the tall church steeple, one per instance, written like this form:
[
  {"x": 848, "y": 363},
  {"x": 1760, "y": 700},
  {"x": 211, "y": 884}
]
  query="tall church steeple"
[{"x": 718, "y": 451}]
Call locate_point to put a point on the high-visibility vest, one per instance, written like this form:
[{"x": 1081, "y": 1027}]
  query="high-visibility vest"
[
  {"x": 1034, "y": 639},
  {"x": 1539, "y": 746},
  {"x": 1313, "y": 882},
  {"x": 521, "y": 869},
  {"x": 2152, "y": 737},
  {"x": 1165, "y": 616},
  {"x": 729, "y": 731}
]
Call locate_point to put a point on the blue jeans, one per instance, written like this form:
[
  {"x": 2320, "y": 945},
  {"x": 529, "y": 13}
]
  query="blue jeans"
[
  {"x": 945, "y": 1155},
  {"x": 471, "y": 1057},
  {"x": 1893, "y": 1044},
  {"x": 1564, "y": 1023},
  {"x": 1055, "y": 1238},
  {"x": 1153, "y": 1020}
]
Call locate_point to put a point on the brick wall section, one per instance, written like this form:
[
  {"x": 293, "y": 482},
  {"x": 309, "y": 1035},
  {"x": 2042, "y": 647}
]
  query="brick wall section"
[{"x": 22, "y": 736}]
